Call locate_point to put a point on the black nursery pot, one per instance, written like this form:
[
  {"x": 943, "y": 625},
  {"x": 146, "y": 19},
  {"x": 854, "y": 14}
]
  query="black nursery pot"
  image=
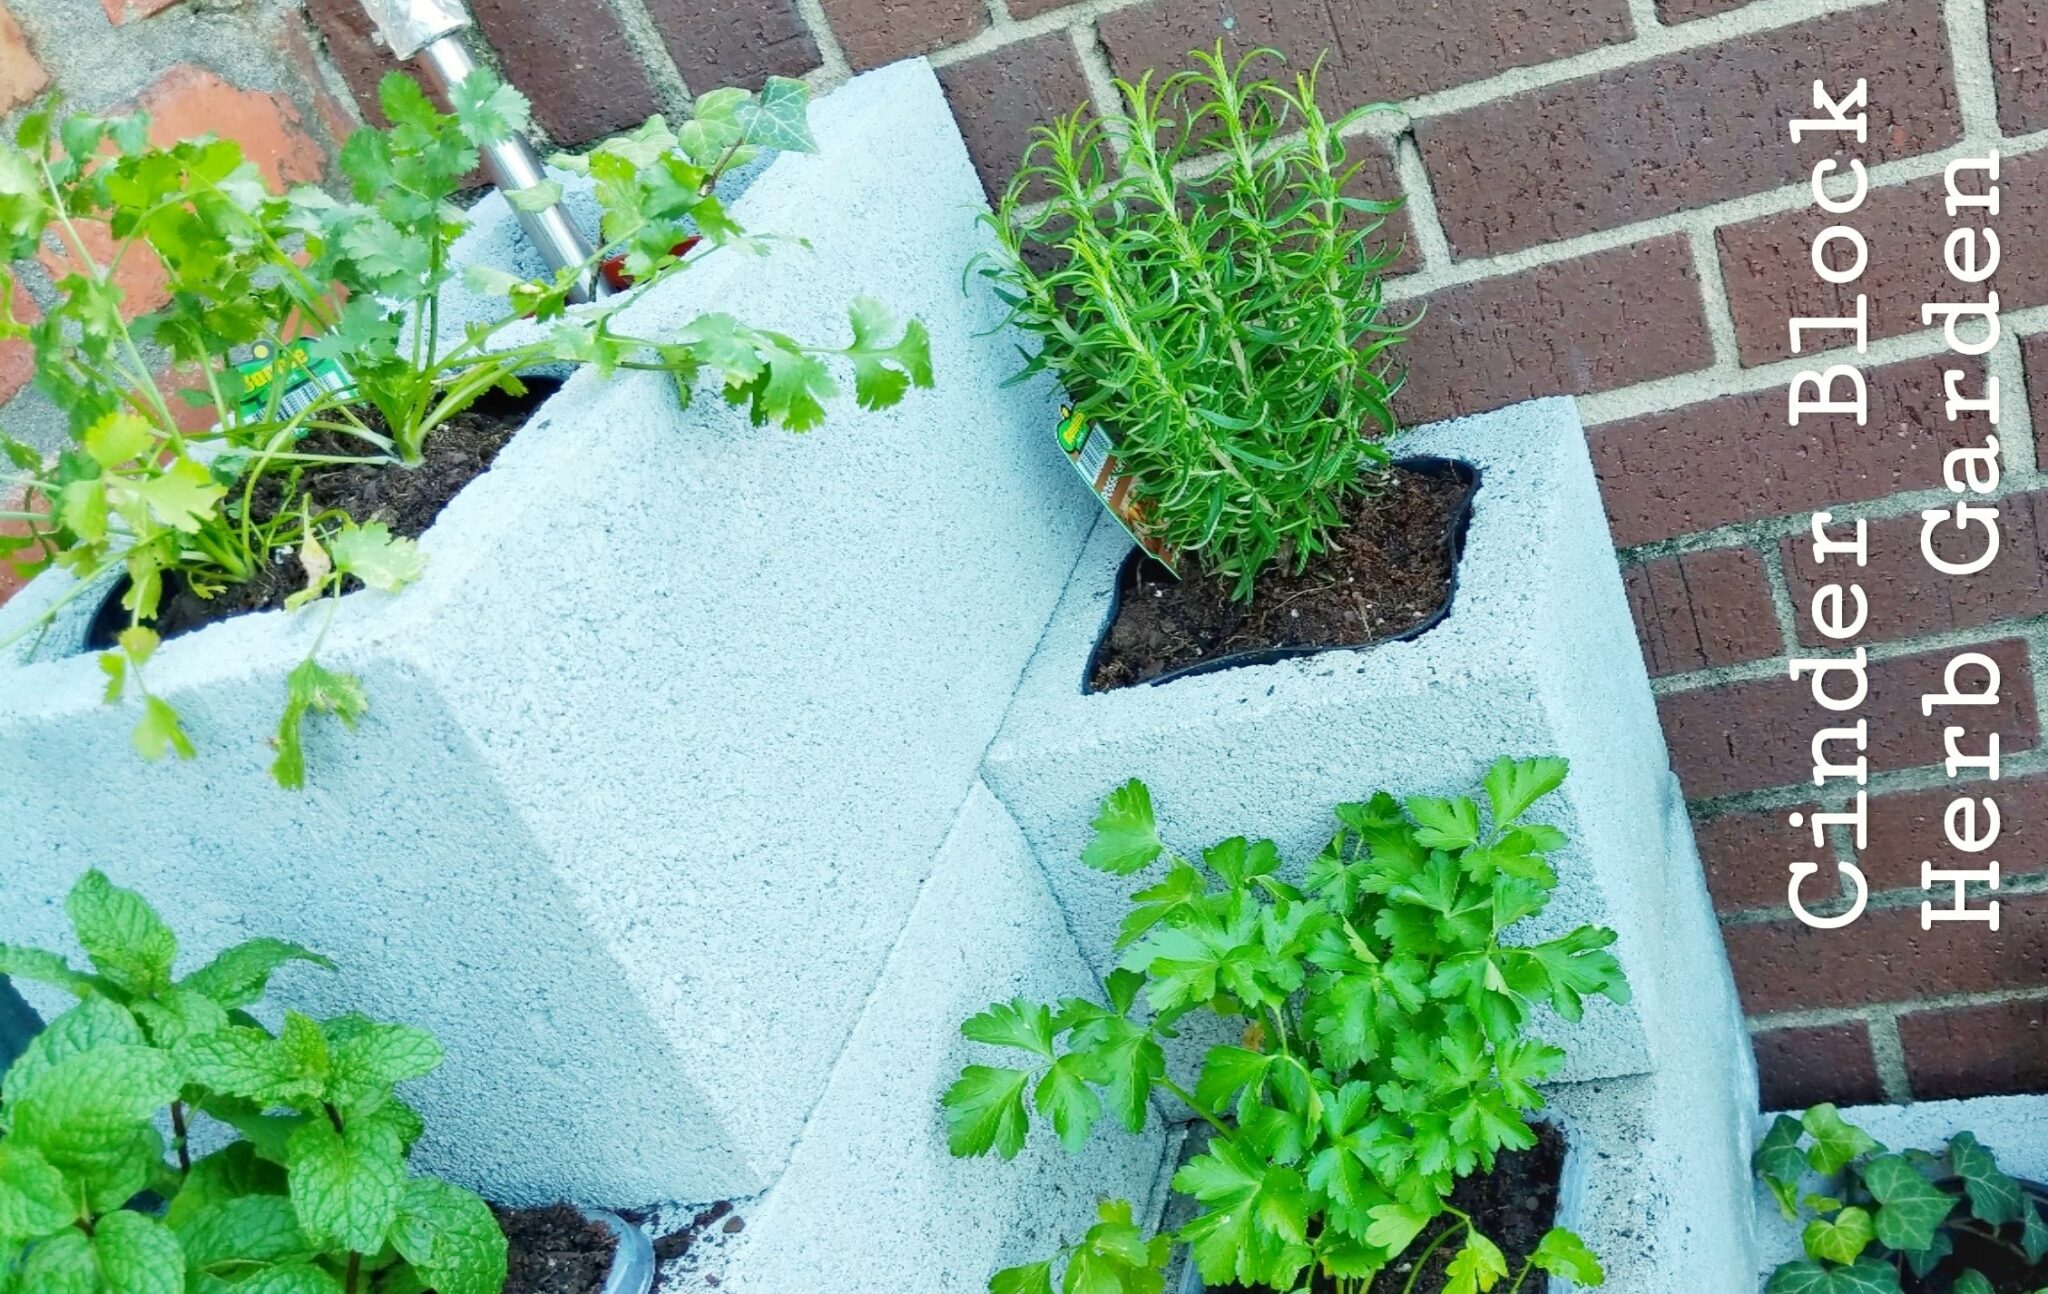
[{"x": 1129, "y": 573}]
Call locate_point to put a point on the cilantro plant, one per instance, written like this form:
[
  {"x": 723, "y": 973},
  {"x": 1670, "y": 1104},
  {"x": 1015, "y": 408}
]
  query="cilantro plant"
[
  {"x": 1384, "y": 1049},
  {"x": 356, "y": 281},
  {"x": 1874, "y": 1215},
  {"x": 311, "y": 1192},
  {"x": 1212, "y": 300}
]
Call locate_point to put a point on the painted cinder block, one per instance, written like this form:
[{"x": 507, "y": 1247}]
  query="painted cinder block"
[
  {"x": 1538, "y": 656},
  {"x": 662, "y": 748}
]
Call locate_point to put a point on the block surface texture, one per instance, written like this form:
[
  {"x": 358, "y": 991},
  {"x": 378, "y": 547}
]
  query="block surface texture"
[
  {"x": 663, "y": 746},
  {"x": 1537, "y": 657},
  {"x": 873, "y": 1203}
]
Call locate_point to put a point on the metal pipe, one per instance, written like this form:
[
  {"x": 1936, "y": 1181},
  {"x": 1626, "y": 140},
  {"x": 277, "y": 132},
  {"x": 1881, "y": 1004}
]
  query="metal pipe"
[{"x": 431, "y": 30}]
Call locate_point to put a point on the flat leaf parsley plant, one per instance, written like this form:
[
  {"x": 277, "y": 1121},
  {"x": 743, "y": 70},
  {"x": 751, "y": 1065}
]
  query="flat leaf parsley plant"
[
  {"x": 1382, "y": 1015},
  {"x": 311, "y": 1195}
]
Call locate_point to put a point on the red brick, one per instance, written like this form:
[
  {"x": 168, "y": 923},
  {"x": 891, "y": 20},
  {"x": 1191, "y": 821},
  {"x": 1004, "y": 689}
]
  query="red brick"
[
  {"x": 1997, "y": 1049},
  {"x": 1376, "y": 49},
  {"x": 1000, "y": 96},
  {"x": 1805, "y": 1066},
  {"x": 1699, "y": 610},
  {"x": 188, "y": 101},
  {"x": 1748, "y": 857},
  {"x": 571, "y": 58},
  {"x": 1683, "y": 131},
  {"x": 1908, "y": 597},
  {"x": 1753, "y": 735},
  {"x": 1033, "y": 8},
  {"x": 1677, "y": 11},
  {"x": 1736, "y": 459},
  {"x": 874, "y": 32},
  {"x": 22, "y": 78},
  {"x": 734, "y": 42},
  {"x": 120, "y": 12},
  {"x": 2034, "y": 351},
  {"x": 17, "y": 358},
  {"x": 1887, "y": 958},
  {"x": 1378, "y": 180},
  {"x": 1595, "y": 323},
  {"x": 2019, "y": 60},
  {"x": 1905, "y": 830},
  {"x": 1768, "y": 263}
]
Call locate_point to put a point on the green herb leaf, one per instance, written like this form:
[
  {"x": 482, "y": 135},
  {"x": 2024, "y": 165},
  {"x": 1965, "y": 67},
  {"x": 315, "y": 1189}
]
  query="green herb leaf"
[
  {"x": 450, "y": 1237},
  {"x": 122, "y": 934},
  {"x": 777, "y": 117},
  {"x": 1839, "y": 1239},
  {"x": 239, "y": 976},
  {"x": 1913, "y": 1207},
  {"x": 985, "y": 1111},
  {"x": 1561, "y": 1253},
  {"x": 346, "y": 1185},
  {"x": 1994, "y": 1197},
  {"x": 34, "y": 1201},
  {"x": 1513, "y": 785},
  {"x": 1477, "y": 1267},
  {"x": 1126, "y": 834}
]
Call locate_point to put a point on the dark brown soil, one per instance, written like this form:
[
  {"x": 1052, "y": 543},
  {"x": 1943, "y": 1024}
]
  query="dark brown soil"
[
  {"x": 1387, "y": 572},
  {"x": 407, "y": 499},
  {"x": 1514, "y": 1205},
  {"x": 679, "y": 1242},
  {"x": 555, "y": 1250}
]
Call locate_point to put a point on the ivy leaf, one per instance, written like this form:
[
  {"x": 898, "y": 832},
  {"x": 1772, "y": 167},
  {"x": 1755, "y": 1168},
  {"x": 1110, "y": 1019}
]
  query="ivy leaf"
[
  {"x": 1913, "y": 1207},
  {"x": 1444, "y": 824},
  {"x": 122, "y": 934},
  {"x": 1561, "y": 1253},
  {"x": 1513, "y": 785},
  {"x": 1126, "y": 833},
  {"x": 311, "y": 688},
  {"x": 1835, "y": 1141},
  {"x": 1971, "y": 1281},
  {"x": 985, "y": 1111},
  {"x": 346, "y": 1185},
  {"x": 239, "y": 976},
  {"x": 2033, "y": 1233},
  {"x": 1477, "y": 1267},
  {"x": 777, "y": 117},
  {"x": 1781, "y": 1162},
  {"x": 1840, "y": 1239},
  {"x": 41, "y": 967},
  {"x": 1994, "y": 1197},
  {"x": 450, "y": 1237}
]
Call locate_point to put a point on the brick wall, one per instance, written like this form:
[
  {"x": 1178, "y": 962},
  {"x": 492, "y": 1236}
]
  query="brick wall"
[{"x": 1603, "y": 201}]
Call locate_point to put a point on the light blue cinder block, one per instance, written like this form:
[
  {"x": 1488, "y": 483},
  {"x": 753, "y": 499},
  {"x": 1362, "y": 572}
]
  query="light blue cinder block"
[
  {"x": 1537, "y": 657},
  {"x": 666, "y": 742}
]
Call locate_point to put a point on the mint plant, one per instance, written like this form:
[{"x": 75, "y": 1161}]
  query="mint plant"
[
  {"x": 1382, "y": 1015},
  {"x": 356, "y": 281},
  {"x": 1212, "y": 299},
  {"x": 311, "y": 1194},
  {"x": 1874, "y": 1215}
]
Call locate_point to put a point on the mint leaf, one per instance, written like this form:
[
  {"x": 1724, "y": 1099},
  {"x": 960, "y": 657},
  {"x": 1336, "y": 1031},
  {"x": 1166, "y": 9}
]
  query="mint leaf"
[
  {"x": 985, "y": 1111},
  {"x": 37, "y": 966},
  {"x": 777, "y": 117},
  {"x": 122, "y": 934},
  {"x": 94, "y": 1022},
  {"x": 370, "y": 1058},
  {"x": 1835, "y": 1142},
  {"x": 450, "y": 1238},
  {"x": 239, "y": 976},
  {"x": 248, "y": 1063},
  {"x": 1126, "y": 834},
  {"x": 231, "y": 1233},
  {"x": 1562, "y": 1253},
  {"x": 289, "y": 1278},
  {"x": 1027, "y": 1026},
  {"x": 346, "y": 1185},
  {"x": 33, "y": 1199},
  {"x": 136, "y": 1254},
  {"x": 93, "y": 1104}
]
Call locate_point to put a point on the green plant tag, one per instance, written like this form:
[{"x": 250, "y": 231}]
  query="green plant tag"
[
  {"x": 303, "y": 379},
  {"x": 1093, "y": 453}
]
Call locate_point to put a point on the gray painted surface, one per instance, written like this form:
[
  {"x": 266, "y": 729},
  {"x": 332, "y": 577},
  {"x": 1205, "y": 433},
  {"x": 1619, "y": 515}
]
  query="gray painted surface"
[{"x": 665, "y": 743}]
